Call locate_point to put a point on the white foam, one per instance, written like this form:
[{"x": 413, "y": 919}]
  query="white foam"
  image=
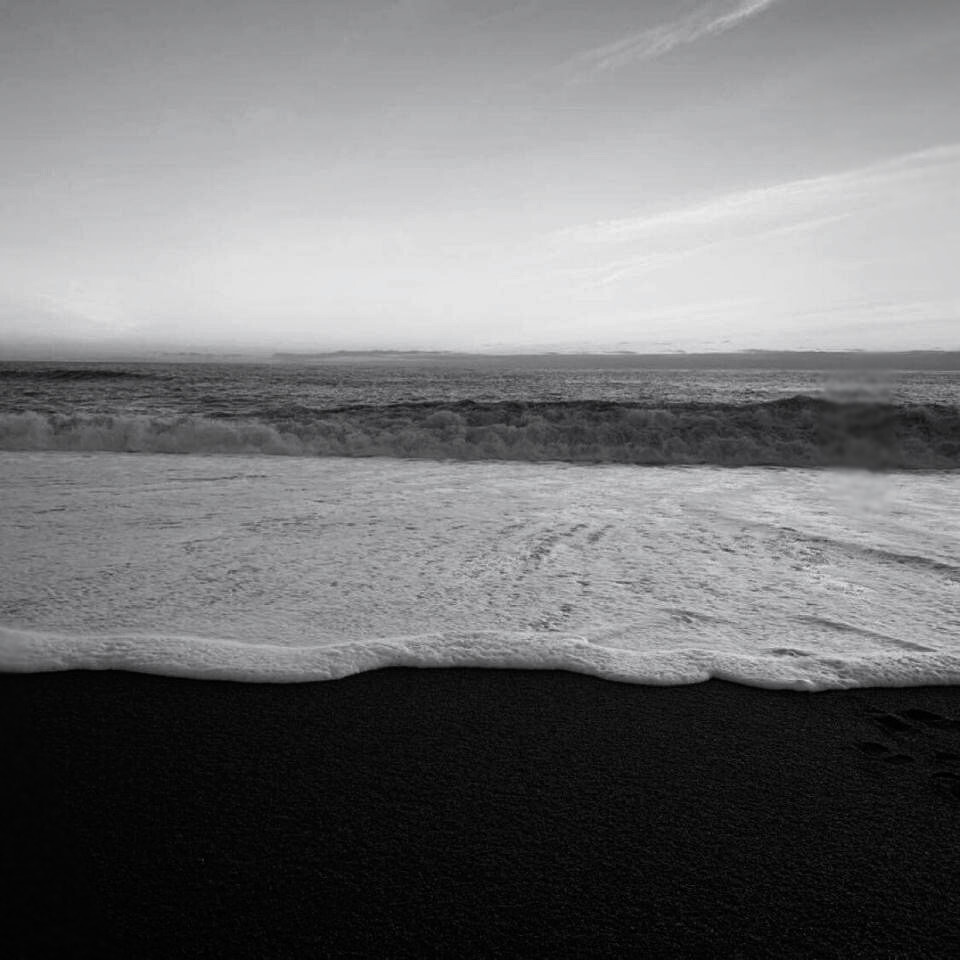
[
  {"x": 272, "y": 569},
  {"x": 204, "y": 658}
]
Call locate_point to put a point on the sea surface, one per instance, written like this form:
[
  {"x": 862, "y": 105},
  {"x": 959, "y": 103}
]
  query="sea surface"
[{"x": 298, "y": 521}]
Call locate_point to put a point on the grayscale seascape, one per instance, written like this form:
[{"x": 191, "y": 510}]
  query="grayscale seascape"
[
  {"x": 480, "y": 479},
  {"x": 244, "y": 558}
]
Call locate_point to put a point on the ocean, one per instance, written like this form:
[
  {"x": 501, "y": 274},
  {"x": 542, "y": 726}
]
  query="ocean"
[{"x": 791, "y": 528}]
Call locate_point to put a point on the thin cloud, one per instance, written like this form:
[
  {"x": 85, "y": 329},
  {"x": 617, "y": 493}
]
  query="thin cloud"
[
  {"x": 645, "y": 243},
  {"x": 612, "y": 273},
  {"x": 780, "y": 203},
  {"x": 707, "y": 21}
]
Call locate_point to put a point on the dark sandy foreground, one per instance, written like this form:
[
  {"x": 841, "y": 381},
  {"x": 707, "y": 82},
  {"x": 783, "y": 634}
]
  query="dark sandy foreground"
[{"x": 449, "y": 813}]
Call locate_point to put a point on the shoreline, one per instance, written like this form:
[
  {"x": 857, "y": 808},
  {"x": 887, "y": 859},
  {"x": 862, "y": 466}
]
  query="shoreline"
[{"x": 474, "y": 812}]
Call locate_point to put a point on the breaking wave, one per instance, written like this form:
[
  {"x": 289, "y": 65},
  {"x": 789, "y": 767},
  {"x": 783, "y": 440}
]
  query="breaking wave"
[
  {"x": 794, "y": 432},
  {"x": 71, "y": 373},
  {"x": 206, "y": 658}
]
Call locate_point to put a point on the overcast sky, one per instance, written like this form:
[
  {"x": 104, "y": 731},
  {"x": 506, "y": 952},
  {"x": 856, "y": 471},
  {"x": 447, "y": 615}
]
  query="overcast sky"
[{"x": 481, "y": 174}]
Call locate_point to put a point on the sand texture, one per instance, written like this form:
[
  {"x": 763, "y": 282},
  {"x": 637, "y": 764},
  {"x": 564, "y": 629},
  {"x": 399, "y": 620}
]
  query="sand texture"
[{"x": 489, "y": 813}]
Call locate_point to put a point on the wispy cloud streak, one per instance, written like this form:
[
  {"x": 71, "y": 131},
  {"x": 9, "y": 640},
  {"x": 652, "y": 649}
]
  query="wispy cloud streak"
[
  {"x": 612, "y": 273},
  {"x": 710, "y": 20},
  {"x": 644, "y": 243},
  {"x": 782, "y": 201}
]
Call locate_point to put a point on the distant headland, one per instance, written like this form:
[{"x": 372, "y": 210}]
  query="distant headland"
[{"x": 743, "y": 360}]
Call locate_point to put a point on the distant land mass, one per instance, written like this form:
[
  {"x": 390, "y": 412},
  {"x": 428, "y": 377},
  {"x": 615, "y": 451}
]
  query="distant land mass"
[
  {"x": 503, "y": 358},
  {"x": 947, "y": 360}
]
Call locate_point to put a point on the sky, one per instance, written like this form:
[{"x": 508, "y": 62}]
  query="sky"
[{"x": 480, "y": 174}]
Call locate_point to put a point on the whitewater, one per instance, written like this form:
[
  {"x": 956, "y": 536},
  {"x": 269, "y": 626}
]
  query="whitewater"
[{"x": 284, "y": 569}]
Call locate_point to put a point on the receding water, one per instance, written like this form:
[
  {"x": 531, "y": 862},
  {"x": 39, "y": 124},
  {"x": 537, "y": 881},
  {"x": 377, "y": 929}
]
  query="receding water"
[{"x": 260, "y": 568}]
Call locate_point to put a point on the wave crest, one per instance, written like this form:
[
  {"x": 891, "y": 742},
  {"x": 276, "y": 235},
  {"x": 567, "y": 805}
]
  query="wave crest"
[
  {"x": 794, "y": 432},
  {"x": 72, "y": 373}
]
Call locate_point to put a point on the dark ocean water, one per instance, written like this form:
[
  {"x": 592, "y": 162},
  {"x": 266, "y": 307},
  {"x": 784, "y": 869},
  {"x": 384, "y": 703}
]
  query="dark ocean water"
[{"x": 605, "y": 409}]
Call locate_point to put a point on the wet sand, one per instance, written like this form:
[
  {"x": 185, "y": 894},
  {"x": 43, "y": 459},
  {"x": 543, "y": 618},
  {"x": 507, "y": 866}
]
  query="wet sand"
[{"x": 436, "y": 813}]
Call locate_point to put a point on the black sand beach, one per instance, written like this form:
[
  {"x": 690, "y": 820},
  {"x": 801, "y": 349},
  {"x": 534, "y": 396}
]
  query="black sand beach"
[{"x": 445, "y": 813}]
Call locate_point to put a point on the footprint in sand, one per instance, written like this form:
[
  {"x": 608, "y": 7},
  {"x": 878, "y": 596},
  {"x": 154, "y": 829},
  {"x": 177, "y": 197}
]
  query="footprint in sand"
[
  {"x": 948, "y": 782},
  {"x": 878, "y": 751},
  {"x": 933, "y": 720},
  {"x": 891, "y": 723},
  {"x": 945, "y": 776}
]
